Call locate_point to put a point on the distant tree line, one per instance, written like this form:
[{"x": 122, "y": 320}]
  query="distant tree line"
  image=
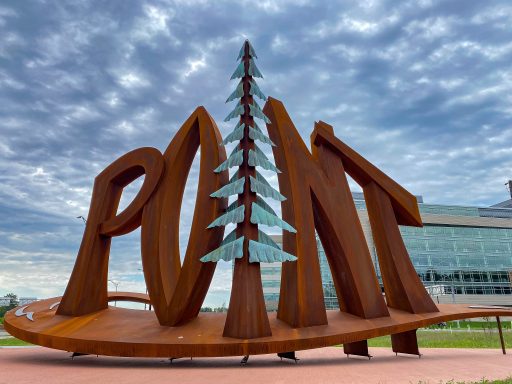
[
  {"x": 13, "y": 302},
  {"x": 222, "y": 308}
]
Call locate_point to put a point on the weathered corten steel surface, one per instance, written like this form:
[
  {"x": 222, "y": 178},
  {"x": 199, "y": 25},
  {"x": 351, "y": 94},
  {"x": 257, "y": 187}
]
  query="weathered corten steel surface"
[
  {"x": 319, "y": 193},
  {"x": 133, "y": 297},
  {"x": 87, "y": 288},
  {"x": 127, "y": 332},
  {"x": 402, "y": 284},
  {"x": 318, "y": 199},
  {"x": 177, "y": 290}
]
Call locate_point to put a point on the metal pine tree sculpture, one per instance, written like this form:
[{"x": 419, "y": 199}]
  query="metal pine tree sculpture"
[{"x": 247, "y": 245}]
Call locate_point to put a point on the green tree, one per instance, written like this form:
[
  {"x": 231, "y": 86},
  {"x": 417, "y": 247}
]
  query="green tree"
[{"x": 13, "y": 301}]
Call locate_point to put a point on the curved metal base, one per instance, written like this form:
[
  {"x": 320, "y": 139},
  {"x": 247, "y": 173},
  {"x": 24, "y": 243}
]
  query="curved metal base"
[{"x": 117, "y": 331}]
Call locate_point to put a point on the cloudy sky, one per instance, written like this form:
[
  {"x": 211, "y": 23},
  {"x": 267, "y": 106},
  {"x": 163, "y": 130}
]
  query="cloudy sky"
[{"x": 422, "y": 88}]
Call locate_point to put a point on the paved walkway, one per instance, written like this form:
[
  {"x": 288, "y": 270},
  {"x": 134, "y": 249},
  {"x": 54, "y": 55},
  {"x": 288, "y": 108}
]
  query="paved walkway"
[
  {"x": 3, "y": 333},
  {"x": 327, "y": 365}
]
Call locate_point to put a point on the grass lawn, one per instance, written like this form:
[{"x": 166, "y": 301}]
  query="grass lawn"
[
  {"x": 447, "y": 339},
  {"x": 464, "y": 324},
  {"x": 11, "y": 342}
]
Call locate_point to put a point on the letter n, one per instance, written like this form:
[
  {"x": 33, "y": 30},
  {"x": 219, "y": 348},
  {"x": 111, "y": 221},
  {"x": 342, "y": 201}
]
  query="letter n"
[{"x": 319, "y": 197}]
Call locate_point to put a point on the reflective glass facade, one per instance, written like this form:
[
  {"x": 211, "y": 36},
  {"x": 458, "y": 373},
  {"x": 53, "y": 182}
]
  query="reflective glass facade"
[
  {"x": 464, "y": 259},
  {"x": 460, "y": 252},
  {"x": 271, "y": 280}
]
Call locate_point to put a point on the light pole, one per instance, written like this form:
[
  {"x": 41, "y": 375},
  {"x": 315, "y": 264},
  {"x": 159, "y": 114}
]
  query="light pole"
[
  {"x": 142, "y": 270},
  {"x": 83, "y": 218},
  {"x": 116, "y": 284}
]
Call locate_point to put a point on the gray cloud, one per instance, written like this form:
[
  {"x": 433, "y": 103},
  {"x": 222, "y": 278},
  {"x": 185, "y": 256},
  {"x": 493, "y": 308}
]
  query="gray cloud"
[{"x": 421, "y": 88}]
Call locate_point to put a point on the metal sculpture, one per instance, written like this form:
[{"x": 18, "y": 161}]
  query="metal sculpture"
[{"x": 317, "y": 198}]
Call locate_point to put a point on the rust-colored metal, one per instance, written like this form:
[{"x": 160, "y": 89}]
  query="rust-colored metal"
[
  {"x": 87, "y": 288},
  {"x": 123, "y": 332},
  {"x": 359, "y": 348},
  {"x": 158, "y": 212},
  {"x": 132, "y": 297},
  {"x": 177, "y": 291},
  {"x": 405, "y": 342},
  {"x": 319, "y": 199},
  {"x": 402, "y": 285}
]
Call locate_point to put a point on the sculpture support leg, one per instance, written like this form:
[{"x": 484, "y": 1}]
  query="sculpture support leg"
[
  {"x": 405, "y": 342},
  {"x": 288, "y": 355},
  {"x": 359, "y": 348}
]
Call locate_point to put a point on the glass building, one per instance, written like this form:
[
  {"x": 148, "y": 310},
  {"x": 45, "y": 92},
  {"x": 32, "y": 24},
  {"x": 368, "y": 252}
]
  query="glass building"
[{"x": 462, "y": 255}]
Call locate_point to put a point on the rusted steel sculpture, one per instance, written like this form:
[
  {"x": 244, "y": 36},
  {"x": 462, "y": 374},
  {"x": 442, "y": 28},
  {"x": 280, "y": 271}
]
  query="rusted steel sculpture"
[{"x": 314, "y": 195}]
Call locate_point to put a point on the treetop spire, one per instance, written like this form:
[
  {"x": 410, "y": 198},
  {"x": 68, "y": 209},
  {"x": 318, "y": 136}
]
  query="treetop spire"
[{"x": 247, "y": 156}]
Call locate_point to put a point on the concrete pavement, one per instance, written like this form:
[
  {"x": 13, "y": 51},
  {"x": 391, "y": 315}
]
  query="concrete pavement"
[{"x": 326, "y": 365}]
